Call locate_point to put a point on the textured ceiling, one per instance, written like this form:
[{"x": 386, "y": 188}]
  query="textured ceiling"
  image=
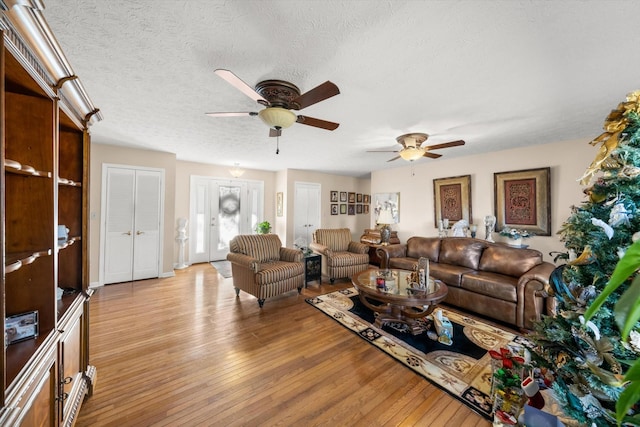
[{"x": 497, "y": 74}]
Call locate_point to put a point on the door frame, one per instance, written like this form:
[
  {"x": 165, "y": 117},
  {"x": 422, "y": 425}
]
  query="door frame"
[{"x": 103, "y": 215}]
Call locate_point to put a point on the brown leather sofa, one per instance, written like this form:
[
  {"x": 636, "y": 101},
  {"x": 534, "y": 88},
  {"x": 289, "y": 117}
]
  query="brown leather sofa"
[{"x": 492, "y": 279}]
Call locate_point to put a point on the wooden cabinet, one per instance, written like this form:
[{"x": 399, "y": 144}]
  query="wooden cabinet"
[{"x": 44, "y": 119}]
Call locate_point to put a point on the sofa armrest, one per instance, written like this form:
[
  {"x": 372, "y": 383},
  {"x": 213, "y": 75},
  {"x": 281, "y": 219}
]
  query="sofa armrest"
[
  {"x": 290, "y": 255},
  {"x": 358, "y": 248},
  {"x": 320, "y": 249},
  {"x": 390, "y": 251},
  {"x": 244, "y": 261},
  {"x": 540, "y": 272},
  {"x": 532, "y": 287}
]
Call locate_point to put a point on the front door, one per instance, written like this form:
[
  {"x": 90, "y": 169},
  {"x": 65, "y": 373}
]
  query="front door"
[
  {"x": 306, "y": 212},
  {"x": 220, "y": 210}
]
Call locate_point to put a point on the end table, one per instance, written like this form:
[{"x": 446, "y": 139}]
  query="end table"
[{"x": 312, "y": 268}]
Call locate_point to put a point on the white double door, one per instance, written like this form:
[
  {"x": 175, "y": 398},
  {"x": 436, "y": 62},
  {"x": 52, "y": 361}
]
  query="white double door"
[
  {"x": 220, "y": 210},
  {"x": 306, "y": 211},
  {"x": 132, "y": 209}
]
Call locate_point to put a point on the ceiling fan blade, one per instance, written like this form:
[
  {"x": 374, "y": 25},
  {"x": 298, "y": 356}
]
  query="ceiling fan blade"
[
  {"x": 431, "y": 155},
  {"x": 445, "y": 145},
  {"x": 239, "y": 84},
  {"x": 310, "y": 121},
  {"x": 319, "y": 93},
  {"x": 275, "y": 132},
  {"x": 395, "y": 158},
  {"x": 238, "y": 114}
]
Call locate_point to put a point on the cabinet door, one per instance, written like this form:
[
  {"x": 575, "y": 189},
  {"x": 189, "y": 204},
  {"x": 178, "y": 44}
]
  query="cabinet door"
[
  {"x": 71, "y": 370},
  {"x": 42, "y": 410}
]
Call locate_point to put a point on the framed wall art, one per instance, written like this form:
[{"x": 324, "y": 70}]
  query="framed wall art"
[
  {"x": 387, "y": 201},
  {"x": 334, "y": 209},
  {"x": 352, "y": 197},
  {"x": 365, "y": 198},
  {"x": 452, "y": 199},
  {"x": 334, "y": 196},
  {"x": 358, "y": 208},
  {"x": 365, "y": 209},
  {"x": 343, "y": 208},
  {"x": 522, "y": 199},
  {"x": 351, "y": 209},
  {"x": 279, "y": 203},
  {"x": 358, "y": 197},
  {"x": 343, "y": 196}
]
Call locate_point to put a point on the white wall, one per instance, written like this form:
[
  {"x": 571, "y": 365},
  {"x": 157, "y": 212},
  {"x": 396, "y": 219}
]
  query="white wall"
[{"x": 568, "y": 160}]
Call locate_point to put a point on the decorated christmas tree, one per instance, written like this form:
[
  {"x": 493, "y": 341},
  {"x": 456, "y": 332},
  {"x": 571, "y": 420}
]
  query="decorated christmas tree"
[{"x": 590, "y": 357}]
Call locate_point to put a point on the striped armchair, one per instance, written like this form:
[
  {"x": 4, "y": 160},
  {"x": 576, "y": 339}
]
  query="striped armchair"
[
  {"x": 263, "y": 268},
  {"x": 341, "y": 256}
]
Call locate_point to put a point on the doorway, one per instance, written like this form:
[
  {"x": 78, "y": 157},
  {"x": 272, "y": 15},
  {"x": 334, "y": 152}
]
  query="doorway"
[
  {"x": 131, "y": 232},
  {"x": 220, "y": 210},
  {"x": 306, "y": 212}
]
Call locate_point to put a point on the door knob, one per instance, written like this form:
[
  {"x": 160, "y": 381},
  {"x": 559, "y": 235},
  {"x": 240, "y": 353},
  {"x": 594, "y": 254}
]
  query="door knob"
[
  {"x": 139, "y": 233},
  {"x": 128, "y": 233}
]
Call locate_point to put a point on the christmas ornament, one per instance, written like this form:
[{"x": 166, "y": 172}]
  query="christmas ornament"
[
  {"x": 606, "y": 227},
  {"x": 619, "y": 215}
]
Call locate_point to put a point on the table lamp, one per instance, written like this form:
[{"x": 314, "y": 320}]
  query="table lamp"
[{"x": 384, "y": 219}]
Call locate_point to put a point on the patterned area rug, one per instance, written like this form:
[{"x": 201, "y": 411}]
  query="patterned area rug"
[
  {"x": 223, "y": 267},
  {"x": 462, "y": 369}
]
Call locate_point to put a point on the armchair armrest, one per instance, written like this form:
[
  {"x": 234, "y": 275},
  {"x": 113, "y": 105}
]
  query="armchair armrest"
[
  {"x": 358, "y": 248},
  {"x": 290, "y": 255},
  {"x": 244, "y": 261},
  {"x": 540, "y": 273},
  {"x": 390, "y": 251},
  {"x": 320, "y": 249}
]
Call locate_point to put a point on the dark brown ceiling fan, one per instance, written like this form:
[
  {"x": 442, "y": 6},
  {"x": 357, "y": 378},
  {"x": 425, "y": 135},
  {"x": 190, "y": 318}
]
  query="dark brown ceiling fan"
[
  {"x": 412, "y": 147},
  {"x": 280, "y": 97}
]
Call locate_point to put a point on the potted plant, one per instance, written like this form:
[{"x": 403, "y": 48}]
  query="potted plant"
[
  {"x": 515, "y": 236},
  {"x": 263, "y": 227}
]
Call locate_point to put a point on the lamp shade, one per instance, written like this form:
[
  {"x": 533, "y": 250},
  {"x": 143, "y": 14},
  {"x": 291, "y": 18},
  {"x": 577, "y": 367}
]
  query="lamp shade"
[
  {"x": 385, "y": 217},
  {"x": 277, "y": 117},
  {"x": 235, "y": 171},
  {"x": 411, "y": 153}
]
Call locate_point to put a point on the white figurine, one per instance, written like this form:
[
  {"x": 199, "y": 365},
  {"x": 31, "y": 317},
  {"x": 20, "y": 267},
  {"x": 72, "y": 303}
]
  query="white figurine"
[
  {"x": 459, "y": 228},
  {"x": 489, "y": 225}
]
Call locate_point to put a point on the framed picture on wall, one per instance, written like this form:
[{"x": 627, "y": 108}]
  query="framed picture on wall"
[
  {"x": 389, "y": 201},
  {"x": 365, "y": 198},
  {"x": 358, "y": 208},
  {"x": 279, "y": 203},
  {"x": 343, "y": 209},
  {"x": 351, "y": 209},
  {"x": 365, "y": 209},
  {"x": 452, "y": 199},
  {"x": 334, "y": 196},
  {"x": 358, "y": 197},
  {"x": 352, "y": 197},
  {"x": 523, "y": 200},
  {"x": 343, "y": 196},
  {"x": 334, "y": 209}
]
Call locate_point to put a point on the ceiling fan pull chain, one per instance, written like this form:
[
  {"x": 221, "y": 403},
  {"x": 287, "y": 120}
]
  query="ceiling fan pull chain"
[{"x": 277, "y": 145}]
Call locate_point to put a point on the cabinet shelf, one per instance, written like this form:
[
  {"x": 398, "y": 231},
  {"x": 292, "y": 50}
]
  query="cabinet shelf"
[
  {"x": 68, "y": 242},
  {"x": 15, "y": 261},
  {"x": 11, "y": 166},
  {"x": 69, "y": 182}
]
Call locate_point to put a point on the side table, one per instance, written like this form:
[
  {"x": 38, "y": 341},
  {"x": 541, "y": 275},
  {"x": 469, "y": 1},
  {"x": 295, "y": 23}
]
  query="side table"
[{"x": 312, "y": 268}]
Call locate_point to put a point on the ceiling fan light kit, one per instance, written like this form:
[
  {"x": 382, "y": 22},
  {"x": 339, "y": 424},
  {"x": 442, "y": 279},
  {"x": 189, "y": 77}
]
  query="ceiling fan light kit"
[
  {"x": 277, "y": 117},
  {"x": 412, "y": 153}
]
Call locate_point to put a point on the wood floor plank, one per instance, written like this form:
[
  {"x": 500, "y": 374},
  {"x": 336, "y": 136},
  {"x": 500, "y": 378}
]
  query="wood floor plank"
[{"x": 184, "y": 351}]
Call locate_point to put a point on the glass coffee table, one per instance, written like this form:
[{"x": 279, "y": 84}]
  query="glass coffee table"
[{"x": 394, "y": 298}]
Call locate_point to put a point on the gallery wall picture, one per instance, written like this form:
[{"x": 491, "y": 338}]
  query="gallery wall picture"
[
  {"x": 351, "y": 209},
  {"x": 334, "y": 196},
  {"x": 358, "y": 208},
  {"x": 366, "y": 199},
  {"x": 352, "y": 197},
  {"x": 452, "y": 199},
  {"x": 387, "y": 201},
  {"x": 334, "y": 209},
  {"x": 365, "y": 209},
  {"x": 522, "y": 199},
  {"x": 358, "y": 197},
  {"x": 343, "y": 196},
  {"x": 343, "y": 208}
]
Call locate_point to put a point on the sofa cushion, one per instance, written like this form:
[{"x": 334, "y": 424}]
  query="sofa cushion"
[
  {"x": 403, "y": 263},
  {"x": 449, "y": 274},
  {"x": 427, "y": 247},
  {"x": 495, "y": 285},
  {"x": 277, "y": 271},
  {"x": 461, "y": 251},
  {"x": 510, "y": 261},
  {"x": 336, "y": 239},
  {"x": 263, "y": 247},
  {"x": 344, "y": 259}
]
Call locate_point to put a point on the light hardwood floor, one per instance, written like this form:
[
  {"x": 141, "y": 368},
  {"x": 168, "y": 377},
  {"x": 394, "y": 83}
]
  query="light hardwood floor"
[{"x": 185, "y": 351}]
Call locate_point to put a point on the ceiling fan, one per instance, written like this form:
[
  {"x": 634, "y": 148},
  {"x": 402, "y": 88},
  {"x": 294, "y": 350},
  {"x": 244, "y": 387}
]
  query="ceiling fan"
[
  {"x": 412, "y": 147},
  {"x": 280, "y": 97}
]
